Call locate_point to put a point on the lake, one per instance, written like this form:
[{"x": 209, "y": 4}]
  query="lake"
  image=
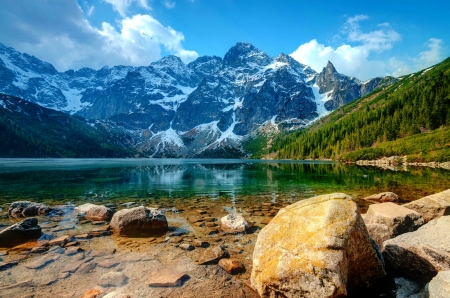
[{"x": 145, "y": 181}]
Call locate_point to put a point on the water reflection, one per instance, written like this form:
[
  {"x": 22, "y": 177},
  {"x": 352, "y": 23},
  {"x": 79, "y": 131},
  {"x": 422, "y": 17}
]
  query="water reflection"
[{"x": 139, "y": 179}]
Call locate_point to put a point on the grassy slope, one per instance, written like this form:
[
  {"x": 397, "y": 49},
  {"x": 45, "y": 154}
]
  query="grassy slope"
[{"x": 410, "y": 117}]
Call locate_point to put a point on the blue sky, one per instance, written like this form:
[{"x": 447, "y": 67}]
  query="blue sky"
[{"x": 362, "y": 38}]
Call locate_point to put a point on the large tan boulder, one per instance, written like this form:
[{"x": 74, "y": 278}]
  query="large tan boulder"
[
  {"x": 397, "y": 219},
  {"x": 432, "y": 206},
  {"x": 139, "y": 220},
  {"x": 315, "y": 248},
  {"x": 383, "y": 197},
  {"x": 420, "y": 254},
  {"x": 94, "y": 212},
  {"x": 439, "y": 286}
]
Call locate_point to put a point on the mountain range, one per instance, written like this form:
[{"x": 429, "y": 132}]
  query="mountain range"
[{"x": 206, "y": 108}]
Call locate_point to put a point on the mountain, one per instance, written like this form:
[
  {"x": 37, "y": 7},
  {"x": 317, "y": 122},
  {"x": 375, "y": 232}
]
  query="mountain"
[
  {"x": 29, "y": 130},
  {"x": 410, "y": 117},
  {"x": 206, "y": 108}
]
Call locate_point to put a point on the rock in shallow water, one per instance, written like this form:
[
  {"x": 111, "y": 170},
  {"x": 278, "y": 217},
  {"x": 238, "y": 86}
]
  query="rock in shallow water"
[
  {"x": 383, "y": 197},
  {"x": 113, "y": 279},
  {"x": 138, "y": 220},
  {"x": 21, "y": 232},
  {"x": 234, "y": 223},
  {"x": 315, "y": 248},
  {"x": 166, "y": 278},
  {"x": 212, "y": 255},
  {"x": 27, "y": 208},
  {"x": 95, "y": 212}
]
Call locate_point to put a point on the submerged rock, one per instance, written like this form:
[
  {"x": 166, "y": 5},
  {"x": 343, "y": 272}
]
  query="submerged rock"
[
  {"x": 432, "y": 206},
  {"x": 95, "y": 212},
  {"x": 21, "y": 232},
  {"x": 232, "y": 266},
  {"x": 138, "y": 220},
  {"x": 234, "y": 223},
  {"x": 212, "y": 255},
  {"x": 420, "y": 254},
  {"x": 316, "y": 248},
  {"x": 383, "y": 197},
  {"x": 27, "y": 208},
  {"x": 166, "y": 278}
]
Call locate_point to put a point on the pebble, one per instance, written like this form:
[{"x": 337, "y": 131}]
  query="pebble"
[
  {"x": 186, "y": 246},
  {"x": 166, "y": 278},
  {"x": 83, "y": 236},
  {"x": 232, "y": 266},
  {"x": 61, "y": 241}
]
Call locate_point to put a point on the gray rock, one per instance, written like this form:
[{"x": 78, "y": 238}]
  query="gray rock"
[
  {"x": 113, "y": 279},
  {"x": 439, "y": 286},
  {"x": 21, "y": 231},
  {"x": 432, "y": 206},
  {"x": 233, "y": 223},
  {"x": 138, "y": 220},
  {"x": 420, "y": 254},
  {"x": 27, "y": 208}
]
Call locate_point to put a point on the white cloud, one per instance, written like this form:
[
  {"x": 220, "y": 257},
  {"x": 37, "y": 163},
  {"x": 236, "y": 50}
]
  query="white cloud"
[
  {"x": 121, "y": 6},
  {"x": 354, "y": 60},
  {"x": 67, "y": 40},
  {"x": 169, "y": 4},
  {"x": 91, "y": 10}
]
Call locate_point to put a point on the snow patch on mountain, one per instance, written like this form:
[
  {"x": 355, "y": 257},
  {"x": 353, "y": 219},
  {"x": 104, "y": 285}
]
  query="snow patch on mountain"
[
  {"x": 320, "y": 100},
  {"x": 74, "y": 104}
]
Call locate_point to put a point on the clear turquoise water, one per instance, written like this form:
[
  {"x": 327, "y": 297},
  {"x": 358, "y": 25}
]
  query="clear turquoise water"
[{"x": 62, "y": 180}]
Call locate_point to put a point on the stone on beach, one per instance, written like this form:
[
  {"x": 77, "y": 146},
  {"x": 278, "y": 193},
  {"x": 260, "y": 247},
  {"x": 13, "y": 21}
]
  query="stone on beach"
[
  {"x": 383, "y": 197},
  {"x": 21, "y": 231},
  {"x": 397, "y": 219},
  {"x": 422, "y": 253},
  {"x": 212, "y": 255},
  {"x": 234, "y": 223},
  {"x": 27, "y": 208},
  {"x": 139, "y": 220},
  {"x": 316, "y": 248},
  {"x": 432, "y": 206},
  {"x": 113, "y": 279},
  {"x": 95, "y": 212},
  {"x": 166, "y": 278},
  {"x": 231, "y": 266},
  {"x": 61, "y": 241}
]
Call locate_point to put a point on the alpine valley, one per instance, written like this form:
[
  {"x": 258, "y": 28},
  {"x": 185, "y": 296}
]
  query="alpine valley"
[{"x": 207, "y": 108}]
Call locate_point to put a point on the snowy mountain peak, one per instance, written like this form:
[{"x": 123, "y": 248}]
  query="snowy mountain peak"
[{"x": 244, "y": 53}]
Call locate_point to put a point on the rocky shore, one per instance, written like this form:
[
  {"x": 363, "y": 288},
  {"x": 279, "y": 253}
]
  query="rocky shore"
[
  {"x": 400, "y": 163},
  {"x": 317, "y": 247}
]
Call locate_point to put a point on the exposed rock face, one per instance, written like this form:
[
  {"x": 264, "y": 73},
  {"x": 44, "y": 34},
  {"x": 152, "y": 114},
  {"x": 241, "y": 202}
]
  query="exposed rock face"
[
  {"x": 420, "y": 254},
  {"x": 234, "y": 223},
  {"x": 432, "y": 206},
  {"x": 139, "y": 220},
  {"x": 383, "y": 197},
  {"x": 170, "y": 109},
  {"x": 21, "y": 231},
  {"x": 439, "y": 286},
  {"x": 95, "y": 212},
  {"x": 315, "y": 248},
  {"x": 397, "y": 219},
  {"x": 27, "y": 208}
]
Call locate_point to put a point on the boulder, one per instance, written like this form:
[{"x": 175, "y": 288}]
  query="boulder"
[
  {"x": 27, "y": 208},
  {"x": 378, "y": 232},
  {"x": 21, "y": 232},
  {"x": 95, "y": 212},
  {"x": 397, "y": 219},
  {"x": 439, "y": 286},
  {"x": 316, "y": 248},
  {"x": 420, "y": 254},
  {"x": 212, "y": 255},
  {"x": 432, "y": 206},
  {"x": 233, "y": 223},
  {"x": 138, "y": 220},
  {"x": 383, "y": 197}
]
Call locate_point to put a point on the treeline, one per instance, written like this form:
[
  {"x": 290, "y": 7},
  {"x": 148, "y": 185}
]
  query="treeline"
[
  {"x": 417, "y": 104},
  {"x": 28, "y": 130}
]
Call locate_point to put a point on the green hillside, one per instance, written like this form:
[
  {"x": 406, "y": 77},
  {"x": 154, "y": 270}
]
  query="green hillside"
[
  {"x": 411, "y": 117},
  {"x": 29, "y": 130}
]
